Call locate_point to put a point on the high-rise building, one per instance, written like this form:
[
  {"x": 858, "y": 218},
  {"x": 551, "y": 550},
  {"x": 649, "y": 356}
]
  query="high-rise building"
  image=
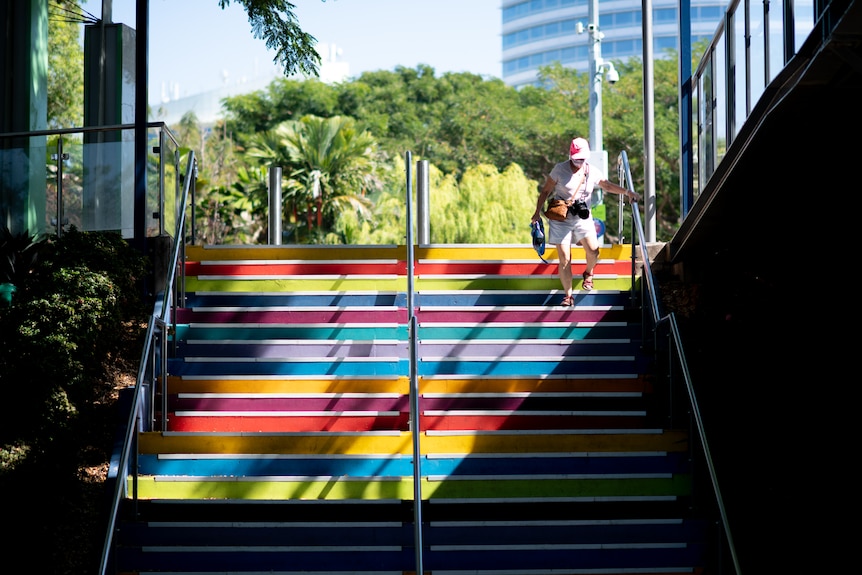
[{"x": 540, "y": 32}]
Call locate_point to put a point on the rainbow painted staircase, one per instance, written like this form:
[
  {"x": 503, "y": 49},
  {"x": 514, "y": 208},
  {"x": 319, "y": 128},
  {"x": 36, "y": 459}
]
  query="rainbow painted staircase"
[{"x": 290, "y": 441}]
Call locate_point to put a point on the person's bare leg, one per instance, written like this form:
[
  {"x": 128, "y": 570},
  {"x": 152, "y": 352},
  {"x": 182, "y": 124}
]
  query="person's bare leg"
[
  {"x": 564, "y": 267},
  {"x": 591, "y": 252}
]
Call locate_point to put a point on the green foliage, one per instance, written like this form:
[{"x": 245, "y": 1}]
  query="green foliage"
[
  {"x": 65, "y": 70},
  {"x": 459, "y": 121},
  {"x": 275, "y": 23},
  {"x": 19, "y": 254},
  {"x": 329, "y": 165},
  {"x": 486, "y": 207},
  {"x": 73, "y": 311}
]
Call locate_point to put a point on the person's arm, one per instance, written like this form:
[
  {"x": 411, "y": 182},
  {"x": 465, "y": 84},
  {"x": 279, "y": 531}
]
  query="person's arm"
[
  {"x": 613, "y": 188},
  {"x": 547, "y": 188}
]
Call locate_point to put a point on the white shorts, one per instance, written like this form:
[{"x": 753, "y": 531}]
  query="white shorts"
[{"x": 571, "y": 231}]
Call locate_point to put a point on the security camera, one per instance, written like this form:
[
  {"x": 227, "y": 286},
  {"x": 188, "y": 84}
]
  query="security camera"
[{"x": 613, "y": 75}]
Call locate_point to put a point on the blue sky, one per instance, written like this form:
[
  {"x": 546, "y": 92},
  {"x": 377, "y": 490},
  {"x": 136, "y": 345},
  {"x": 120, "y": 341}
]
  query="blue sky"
[{"x": 195, "y": 46}]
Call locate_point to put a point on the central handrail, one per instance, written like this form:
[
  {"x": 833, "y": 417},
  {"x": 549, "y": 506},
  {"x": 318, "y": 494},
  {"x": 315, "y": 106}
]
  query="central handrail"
[{"x": 414, "y": 376}]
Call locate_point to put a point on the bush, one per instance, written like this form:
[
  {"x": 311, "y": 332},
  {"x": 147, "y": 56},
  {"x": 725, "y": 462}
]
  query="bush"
[
  {"x": 19, "y": 254},
  {"x": 70, "y": 316}
]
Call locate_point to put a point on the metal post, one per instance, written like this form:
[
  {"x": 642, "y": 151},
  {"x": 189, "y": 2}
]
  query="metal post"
[
  {"x": 141, "y": 63},
  {"x": 650, "y": 202},
  {"x": 595, "y": 53},
  {"x": 60, "y": 158},
  {"x": 162, "y": 156},
  {"x": 274, "y": 206},
  {"x": 422, "y": 206},
  {"x": 686, "y": 136},
  {"x": 414, "y": 376}
]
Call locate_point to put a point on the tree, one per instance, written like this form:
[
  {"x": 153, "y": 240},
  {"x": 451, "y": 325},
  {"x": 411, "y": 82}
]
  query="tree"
[
  {"x": 330, "y": 165},
  {"x": 623, "y": 123},
  {"x": 459, "y": 121},
  {"x": 485, "y": 207},
  {"x": 275, "y": 23},
  {"x": 65, "y": 67}
]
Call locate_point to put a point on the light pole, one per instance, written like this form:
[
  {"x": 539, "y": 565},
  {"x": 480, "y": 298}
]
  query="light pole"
[{"x": 598, "y": 67}]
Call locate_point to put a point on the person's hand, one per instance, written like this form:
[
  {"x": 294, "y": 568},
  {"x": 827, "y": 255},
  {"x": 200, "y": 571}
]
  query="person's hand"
[{"x": 634, "y": 196}]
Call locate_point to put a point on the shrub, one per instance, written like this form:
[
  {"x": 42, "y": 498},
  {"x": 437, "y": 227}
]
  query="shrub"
[
  {"x": 19, "y": 254},
  {"x": 70, "y": 316}
]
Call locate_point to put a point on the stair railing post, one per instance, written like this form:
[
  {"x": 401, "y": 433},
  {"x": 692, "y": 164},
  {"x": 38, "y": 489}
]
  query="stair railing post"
[
  {"x": 423, "y": 213},
  {"x": 275, "y": 206}
]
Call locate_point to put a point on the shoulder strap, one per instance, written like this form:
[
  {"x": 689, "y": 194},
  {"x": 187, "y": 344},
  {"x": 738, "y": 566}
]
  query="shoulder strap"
[
  {"x": 584, "y": 177},
  {"x": 585, "y": 180}
]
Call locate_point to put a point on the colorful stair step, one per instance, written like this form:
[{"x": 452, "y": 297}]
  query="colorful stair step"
[
  {"x": 392, "y": 443},
  {"x": 305, "y": 252},
  {"x": 422, "y": 298},
  {"x": 516, "y": 282},
  {"x": 329, "y": 384},
  {"x": 221, "y": 422},
  {"x": 365, "y": 283},
  {"x": 334, "y": 315},
  {"x": 341, "y": 366},
  {"x": 483, "y": 253},
  {"x": 542, "y": 331},
  {"x": 337, "y": 331},
  {"x": 445, "y": 314},
  {"x": 396, "y": 487},
  {"x": 257, "y": 465},
  {"x": 283, "y": 402},
  {"x": 295, "y": 299},
  {"x": 515, "y": 268},
  {"x": 568, "y": 384},
  {"x": 292, "y": 348},
  {"x": 269, "y": 269}
]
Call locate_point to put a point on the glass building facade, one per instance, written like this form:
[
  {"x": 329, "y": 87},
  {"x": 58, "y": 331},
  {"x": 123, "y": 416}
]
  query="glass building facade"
[{"x": 540, "y": 32}]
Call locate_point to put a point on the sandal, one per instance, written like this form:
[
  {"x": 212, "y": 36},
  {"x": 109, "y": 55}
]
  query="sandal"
[
  {"x": 568, "y": 301},
  {"x": 588, "y": 281}
]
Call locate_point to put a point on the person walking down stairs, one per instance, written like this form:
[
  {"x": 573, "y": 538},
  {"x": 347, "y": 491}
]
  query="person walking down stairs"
[{"x": 573, "y": 182}]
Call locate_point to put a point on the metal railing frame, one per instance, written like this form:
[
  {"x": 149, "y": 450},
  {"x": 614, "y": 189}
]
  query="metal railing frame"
[
  {"x": 153, "y": 370},
  {"x": 61, "y": 155},
  {"x": 653, "y": 321}
]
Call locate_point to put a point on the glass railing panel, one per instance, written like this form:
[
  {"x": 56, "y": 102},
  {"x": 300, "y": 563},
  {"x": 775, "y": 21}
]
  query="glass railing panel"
[
  {"x": 706, "y": 119},
  {"x": 695, "y": 156},
  {"x": 154, "y": 200},
  {"x": 108, "y": 182},
  {"x": 757, "y": 61},
  {"x": 803, "y": 21},
  {"x": 85, "y": 177},
  {"x": 776, "y": 39},
  {"x": 24, "y": 172},
  {"x": 741, "y": 102},
  {"x": 719, "y": 79},
  {"x": 171, "y": 184}
]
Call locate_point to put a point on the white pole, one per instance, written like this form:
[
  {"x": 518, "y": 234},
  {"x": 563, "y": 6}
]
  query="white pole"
[
  {"x": 274, "y": 205},
  {"x": 649, "y": 125},
  {"x": 595, "y": 53}
]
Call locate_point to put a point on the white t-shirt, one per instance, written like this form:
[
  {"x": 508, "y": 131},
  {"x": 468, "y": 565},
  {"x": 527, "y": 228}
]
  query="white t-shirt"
[{"x": 565, "y": 180}]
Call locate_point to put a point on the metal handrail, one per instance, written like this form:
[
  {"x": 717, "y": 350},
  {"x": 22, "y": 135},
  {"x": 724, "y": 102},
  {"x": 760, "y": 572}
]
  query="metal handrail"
[
  {"x": 656, "y": 320},
  {"x": 157, "y": 329}
]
